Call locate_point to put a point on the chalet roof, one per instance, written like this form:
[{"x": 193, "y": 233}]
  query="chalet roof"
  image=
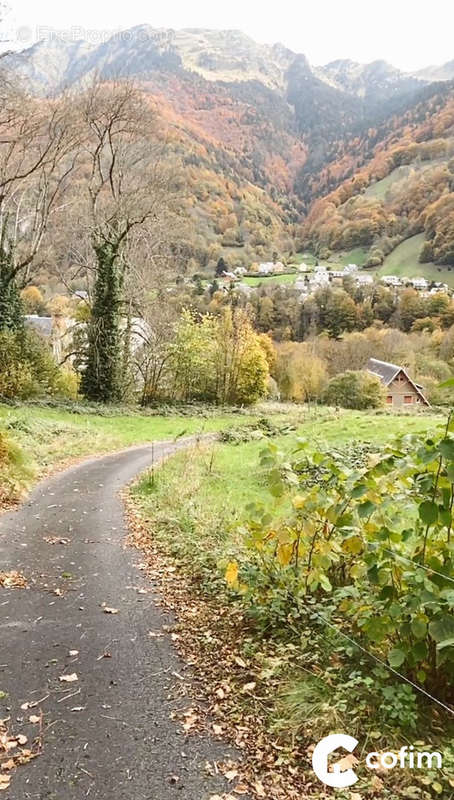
[{"x": 385, "y": 371}]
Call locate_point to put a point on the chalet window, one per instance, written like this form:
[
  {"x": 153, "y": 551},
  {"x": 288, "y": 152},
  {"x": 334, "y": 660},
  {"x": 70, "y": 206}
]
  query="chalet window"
[
  {"x": 389, "y": 399},
  {"x": 408, "y": 398}
]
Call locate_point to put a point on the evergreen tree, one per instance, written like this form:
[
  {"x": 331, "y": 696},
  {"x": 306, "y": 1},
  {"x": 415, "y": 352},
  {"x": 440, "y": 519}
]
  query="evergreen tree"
[{"x": 221, "y": 268}]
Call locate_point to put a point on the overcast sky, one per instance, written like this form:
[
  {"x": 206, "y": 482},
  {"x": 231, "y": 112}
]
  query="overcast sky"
[{"x": 408, "y": 33}]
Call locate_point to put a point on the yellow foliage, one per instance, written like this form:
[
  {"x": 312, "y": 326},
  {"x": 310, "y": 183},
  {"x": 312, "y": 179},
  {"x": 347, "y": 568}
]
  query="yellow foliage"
[{"x": 231, "y": 573}]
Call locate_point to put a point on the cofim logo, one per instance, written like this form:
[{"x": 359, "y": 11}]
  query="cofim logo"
[{"x": 405, "y": 758}]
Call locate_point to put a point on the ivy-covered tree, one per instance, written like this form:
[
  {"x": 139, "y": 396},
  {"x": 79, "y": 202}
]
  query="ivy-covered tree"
[
  {"x": 11, "y": 310},
  {"x": 102, "y": 376},
  {"x": 128, "y": 193}
]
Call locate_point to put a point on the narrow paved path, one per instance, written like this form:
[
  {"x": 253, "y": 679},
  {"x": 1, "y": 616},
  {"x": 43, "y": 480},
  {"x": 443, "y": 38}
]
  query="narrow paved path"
[{"x": 122, "y": 745}]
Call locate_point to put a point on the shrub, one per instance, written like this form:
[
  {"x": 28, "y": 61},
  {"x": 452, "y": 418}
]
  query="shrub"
[
  {"x": 28, "y": 369},
  {"x": 354, "y": 389}
]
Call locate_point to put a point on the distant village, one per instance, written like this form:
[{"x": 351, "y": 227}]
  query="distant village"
[
  {"x": 59, "y": 329},
  {"x": 310, "y": 278}
]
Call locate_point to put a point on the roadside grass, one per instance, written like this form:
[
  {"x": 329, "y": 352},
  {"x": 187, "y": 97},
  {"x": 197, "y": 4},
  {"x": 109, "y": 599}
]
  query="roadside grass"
[
  {"x": 194, "y": 507},
  {"x": 225, "y": 478},
  {"x": 38, "y": 438}
]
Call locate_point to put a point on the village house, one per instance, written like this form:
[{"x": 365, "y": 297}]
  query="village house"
[
  {"x": 364, "y": 280},
  {"x": 419, "y": 283},
  {"x": 391, "y": 280},
  {"x": 267, "y": 268},
  {"x": 401, "y": 390}
]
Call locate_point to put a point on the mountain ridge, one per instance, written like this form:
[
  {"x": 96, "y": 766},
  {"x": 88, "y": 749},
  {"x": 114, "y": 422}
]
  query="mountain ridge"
[{"x": 259, "y": 122}]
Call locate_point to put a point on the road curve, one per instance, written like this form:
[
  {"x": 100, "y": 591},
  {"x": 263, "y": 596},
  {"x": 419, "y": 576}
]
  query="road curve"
[{"x": 122, "y": 745}]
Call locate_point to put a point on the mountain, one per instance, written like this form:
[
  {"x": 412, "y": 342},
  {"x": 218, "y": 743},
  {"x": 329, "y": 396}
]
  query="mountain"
[
  {"x": 443, "y": 73},
  {"x": 373, "y": 83},
  {"x": 266, "y": 138}
]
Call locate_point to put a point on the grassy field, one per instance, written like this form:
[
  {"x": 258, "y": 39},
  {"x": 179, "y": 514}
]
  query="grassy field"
[
  {"x": 42, "y": 438},
  {"x": 227, "y": 477},
  {"x": 306, "y": 258},
  {"x": 285, "y": 278},
  {"x": 403, "y": 261}
]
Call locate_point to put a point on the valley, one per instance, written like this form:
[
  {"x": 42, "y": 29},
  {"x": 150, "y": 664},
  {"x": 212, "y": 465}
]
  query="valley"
[
  {"x": 267, "y": 142},
  {"x": 226, "y": 416}
]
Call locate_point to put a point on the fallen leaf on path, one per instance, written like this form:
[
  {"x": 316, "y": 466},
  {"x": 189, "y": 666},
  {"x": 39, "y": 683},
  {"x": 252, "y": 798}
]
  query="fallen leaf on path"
[
  {"x": 78, "y": 708},
  {"x": 73, "y": 652},
  {"x": 191, "y": 718},
  {"x": 12, "y": 580},
  {"x": 56, "y": 540},
  {"x": 109, "y": 610},
  {"x": 34, "y": 719},
  {"x": 4, "y": 782},
  {"x": 68, "y": 678}
]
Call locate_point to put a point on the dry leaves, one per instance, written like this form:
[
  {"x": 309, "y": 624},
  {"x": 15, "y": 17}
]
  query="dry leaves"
[
  {"x": 210, "y": 637},
  {"x": 13, "y": 753},
  {"x": 69, "y": 678},
  {"x": 56, "y": 540},
  {"x": 12, "y": 580},
  {"x": 109, "y": 610}
]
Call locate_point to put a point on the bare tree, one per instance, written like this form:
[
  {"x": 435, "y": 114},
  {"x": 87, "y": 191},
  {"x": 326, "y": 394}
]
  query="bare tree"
[
  {"x": 38, "y": 152},
  {"x": 130, "y": 191}
]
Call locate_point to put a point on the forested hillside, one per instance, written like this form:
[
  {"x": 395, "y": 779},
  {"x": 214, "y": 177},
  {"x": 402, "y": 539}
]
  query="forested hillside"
[
  {"x": 389, "y": 184},
  {"x": 262, "y": 136},
  {"x": 275, "y": 155}
]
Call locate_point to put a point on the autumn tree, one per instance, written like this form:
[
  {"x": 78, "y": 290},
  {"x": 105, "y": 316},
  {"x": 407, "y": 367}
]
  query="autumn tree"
[
  {"x": 38, "y": 152},
  {"x": 128, "y": 190},
  {"x": 359, "y": 390}
]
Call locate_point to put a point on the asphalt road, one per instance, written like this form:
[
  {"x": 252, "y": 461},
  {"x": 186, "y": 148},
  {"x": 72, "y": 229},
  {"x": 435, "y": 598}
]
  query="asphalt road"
[{"x": 122, "y": 744}]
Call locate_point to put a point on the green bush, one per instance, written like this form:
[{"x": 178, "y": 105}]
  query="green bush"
[
  {"x": 367, "y": 551},
  {"x": 354, "y": 389},
  {"x": 28, "y": 369}
]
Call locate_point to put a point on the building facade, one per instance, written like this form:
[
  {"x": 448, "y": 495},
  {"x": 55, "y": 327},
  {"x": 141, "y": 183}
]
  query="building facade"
[{"x": 400, "y": 389}]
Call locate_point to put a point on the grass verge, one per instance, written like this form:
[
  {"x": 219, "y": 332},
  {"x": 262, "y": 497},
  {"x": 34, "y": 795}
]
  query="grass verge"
[{"x": 274, "y": 694}]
